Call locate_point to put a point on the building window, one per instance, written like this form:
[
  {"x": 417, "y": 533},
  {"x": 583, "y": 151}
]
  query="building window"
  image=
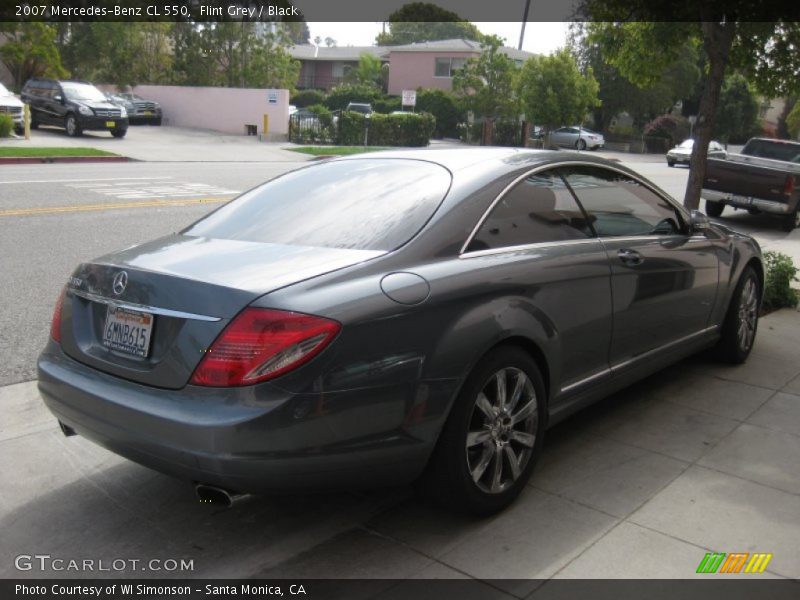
[{"x": 447, "y": 66}]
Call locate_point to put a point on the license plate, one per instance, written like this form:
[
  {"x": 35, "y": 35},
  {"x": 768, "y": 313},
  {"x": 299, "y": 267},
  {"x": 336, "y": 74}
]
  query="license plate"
[
  {"x": 110, "y": 124},
  {"x": 148, "y": 113},
  {"x": 128, "y": 331}
]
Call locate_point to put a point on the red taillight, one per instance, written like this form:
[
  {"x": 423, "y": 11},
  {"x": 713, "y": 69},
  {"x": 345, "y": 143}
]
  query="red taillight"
[
  {"x": 788, "y": 186},
  {"x": 261, "y": 344},
  {"x": 55, "y": 325}
]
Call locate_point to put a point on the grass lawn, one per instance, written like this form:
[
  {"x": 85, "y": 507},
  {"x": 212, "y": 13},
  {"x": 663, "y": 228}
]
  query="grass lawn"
[
  {"x": 48, "y": 152},
  {"x": 336, "y": 150}
]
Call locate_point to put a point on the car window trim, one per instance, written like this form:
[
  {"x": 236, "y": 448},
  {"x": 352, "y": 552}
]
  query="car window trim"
[{"x": 572, "y": 163}]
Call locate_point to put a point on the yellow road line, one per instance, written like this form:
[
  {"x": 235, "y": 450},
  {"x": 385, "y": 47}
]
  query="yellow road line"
[{"x": 47, "y": 210}]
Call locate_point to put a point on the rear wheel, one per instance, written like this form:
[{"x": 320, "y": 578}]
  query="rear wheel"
[
  {"x": 71, "y": 125},
  {"x": 792, "y": 221},
  {"x": 580, "y": 144},
  {"x": 714, "y": 209},
  {"x": 493, "y": 437},
  {"x": 741, "y": 321}
]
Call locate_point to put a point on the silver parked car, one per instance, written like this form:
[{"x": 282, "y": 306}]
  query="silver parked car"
[
  {"x": 376, "y": 319},
  {"x": 683, "y": 152},
  {"x": 577, "y": 137}
]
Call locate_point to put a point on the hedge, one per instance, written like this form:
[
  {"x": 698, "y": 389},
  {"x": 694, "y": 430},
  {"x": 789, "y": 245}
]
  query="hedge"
[
  {"x": 342, "y": 95},
  {"x": 444, "y": 107},
  {"x": 386, "y": 130},
  {"x": 308, "y": 98},
  {"x": 6, "y": 125}
]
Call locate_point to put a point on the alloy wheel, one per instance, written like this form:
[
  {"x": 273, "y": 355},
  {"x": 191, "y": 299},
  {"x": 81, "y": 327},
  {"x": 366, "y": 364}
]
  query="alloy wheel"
[
  {"x": 502, "y": 430},
  {"x": 71, "y": 125},
  {"x": 748, "y": 315}
]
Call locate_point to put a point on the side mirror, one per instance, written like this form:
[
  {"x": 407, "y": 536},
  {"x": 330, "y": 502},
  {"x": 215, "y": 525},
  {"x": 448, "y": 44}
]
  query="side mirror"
[
  {"x": 699, "y": 221},
  {"x": 58, "y": 98}
]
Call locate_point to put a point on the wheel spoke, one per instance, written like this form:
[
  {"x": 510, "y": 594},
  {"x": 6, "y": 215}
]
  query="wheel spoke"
[
  {"x": 497, "y": 473},
  {"x": 480, "y": 468},
  {"x": 526, "y": 439},
  {"x": 519, "y": 387},
  {"x": 478, "y": 437},
  {"x": 485, "y": 406},
  {"x": 513, "y": 460},
  {"x": 523, "y": 413},
  {"x": 500, "y": 378}
]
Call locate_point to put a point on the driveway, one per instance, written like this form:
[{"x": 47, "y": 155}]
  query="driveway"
[{"x": 699, "y": 458}]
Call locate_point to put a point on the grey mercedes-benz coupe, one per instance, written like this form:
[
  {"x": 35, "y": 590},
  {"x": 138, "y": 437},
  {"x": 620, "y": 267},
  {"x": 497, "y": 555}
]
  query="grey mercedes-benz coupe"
[{"x": 390, "y": 317}]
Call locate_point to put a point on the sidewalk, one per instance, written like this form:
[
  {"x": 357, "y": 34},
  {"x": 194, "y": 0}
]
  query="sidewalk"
[{"x": 699, "y": 458}]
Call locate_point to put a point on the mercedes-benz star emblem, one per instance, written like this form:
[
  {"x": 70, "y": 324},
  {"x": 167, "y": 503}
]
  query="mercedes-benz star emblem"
[{"x": 120, "y": 281}]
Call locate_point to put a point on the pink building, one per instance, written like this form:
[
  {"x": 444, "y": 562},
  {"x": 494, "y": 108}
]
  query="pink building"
[{"x": 420, "y": 65}]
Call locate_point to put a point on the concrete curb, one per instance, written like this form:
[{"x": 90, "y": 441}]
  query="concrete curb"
[{"x": 28, "y": 160}]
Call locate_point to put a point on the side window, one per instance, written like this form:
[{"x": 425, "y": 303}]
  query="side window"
[
  {"x": 618, "y": 205},
  {"x": 540, "y": 208}
]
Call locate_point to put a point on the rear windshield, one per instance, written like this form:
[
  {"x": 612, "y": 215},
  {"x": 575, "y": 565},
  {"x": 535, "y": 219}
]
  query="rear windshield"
[
  {"x": 364, "y": 204},
  {"x": 785, "y": 151}
]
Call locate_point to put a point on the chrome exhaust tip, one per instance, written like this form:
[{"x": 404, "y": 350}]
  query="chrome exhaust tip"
[{"x": 211, "y": 494}]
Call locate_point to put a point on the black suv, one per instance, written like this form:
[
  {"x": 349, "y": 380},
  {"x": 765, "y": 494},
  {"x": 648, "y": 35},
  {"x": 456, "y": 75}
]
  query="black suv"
[{"x": 74, "y": 105}]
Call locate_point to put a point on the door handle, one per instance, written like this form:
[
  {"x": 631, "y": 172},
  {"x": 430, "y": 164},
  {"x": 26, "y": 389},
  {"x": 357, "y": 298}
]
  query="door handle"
[{"x": 630, "y": 257}]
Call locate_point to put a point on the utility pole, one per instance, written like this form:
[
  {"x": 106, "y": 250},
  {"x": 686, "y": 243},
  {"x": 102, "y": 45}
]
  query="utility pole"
[{"x": 524, "y": 20}]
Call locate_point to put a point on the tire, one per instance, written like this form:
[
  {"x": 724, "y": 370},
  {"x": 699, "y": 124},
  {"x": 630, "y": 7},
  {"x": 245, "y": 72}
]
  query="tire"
[
  {"x": 670, "y": 163},
  {"x": 157, "y": 122},
  {"x": 119, "y": 133},
  {"x": 465, "y": 478},
  {"x": 792, "y": 221},
  {"x": 741, "y": 321},
  {"x": 71, "y": 125},
  {"x": 580, "y": 145},
  {"x": 714, "y": 209}
]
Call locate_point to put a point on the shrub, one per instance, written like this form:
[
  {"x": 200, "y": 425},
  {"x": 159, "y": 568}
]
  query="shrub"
[
  {"x": 675, "y": 129},
  {"x": 308, "y": 98},
  {"x": 781, "y": 272},
  {"x": 340, "y": 96},
  {"x": 442, "y": 105},
  {"x": 387, "y": 105},
  {"x": 386, "y": 130},
  {"x": 6, "y": 125}
]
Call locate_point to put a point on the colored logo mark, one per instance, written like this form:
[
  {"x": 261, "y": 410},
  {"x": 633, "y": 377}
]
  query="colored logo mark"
[{"x": 735, "y": 562}]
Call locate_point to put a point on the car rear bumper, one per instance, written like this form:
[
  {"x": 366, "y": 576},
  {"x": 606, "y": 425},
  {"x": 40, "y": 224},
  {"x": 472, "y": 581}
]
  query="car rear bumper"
[
  {"x": 262, "y": 439},
  {"x": 767, "y": 206}
]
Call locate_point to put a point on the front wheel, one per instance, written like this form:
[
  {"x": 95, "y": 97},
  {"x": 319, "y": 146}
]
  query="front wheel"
[
  {"x": 714, "y": 209},
  {"x": 119, "y": 133},
  {"x": 71, "y": 125},
  {"x": 580, "y": 145},
  {"x": 741, "y": 320},
  {"x": 493, "y": 437},
  {"x": 670, "y": 163},
  {"x": 792, "y": 221}
]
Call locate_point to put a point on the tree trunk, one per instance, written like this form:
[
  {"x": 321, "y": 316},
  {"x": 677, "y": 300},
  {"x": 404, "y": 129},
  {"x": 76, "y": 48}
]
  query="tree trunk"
[{"x": 717, "y": 41}]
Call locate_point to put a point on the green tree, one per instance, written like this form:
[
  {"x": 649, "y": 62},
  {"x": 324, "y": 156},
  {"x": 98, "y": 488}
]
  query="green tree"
[
  {"x": 370, "y": 71},
  {"x": 553, "y": 90},
  {"x": 737, "y": 114},
  {"x": 425, "y": 22},
  {"x": 30, "y": 50},
  {"x": 486, "y": 85},
  {"x": 731, "y": 38},
  {"x": 793, "y": 121}
]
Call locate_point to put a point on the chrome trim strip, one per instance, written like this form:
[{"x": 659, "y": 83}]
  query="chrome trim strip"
[
  {"x": 524, "y": 247},
  {"x": 571, "y": 163},
  {"x": 142, "y": 307},
  {"x": 572, "y": 386},
  {"x": 686, "y": 338}
]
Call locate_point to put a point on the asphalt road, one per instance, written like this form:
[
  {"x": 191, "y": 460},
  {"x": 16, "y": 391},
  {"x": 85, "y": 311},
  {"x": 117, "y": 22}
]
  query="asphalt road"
[{"x": 53, "y": 217}]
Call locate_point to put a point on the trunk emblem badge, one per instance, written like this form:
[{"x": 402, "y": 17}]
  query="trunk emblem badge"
[{"x": 119, "y": 283}]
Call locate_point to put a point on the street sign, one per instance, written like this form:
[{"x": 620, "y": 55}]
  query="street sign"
[
  {"x": 272, "y": 96},
  {"x": 409, "y": 97}
]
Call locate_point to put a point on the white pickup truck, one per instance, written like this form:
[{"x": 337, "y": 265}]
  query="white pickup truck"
[{"x": 11, "y": 105}]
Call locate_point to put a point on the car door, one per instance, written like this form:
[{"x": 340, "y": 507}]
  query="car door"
[
  {"x": 664, "y": 279},
  {"x": 49, "y": 105},
  {"x": 560, "y": 137},
  {"x": 537, "y": 244}
]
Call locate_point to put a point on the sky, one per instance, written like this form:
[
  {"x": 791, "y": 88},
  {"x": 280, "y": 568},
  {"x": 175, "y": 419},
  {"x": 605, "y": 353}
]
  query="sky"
[{"x": 541, "y": 38}]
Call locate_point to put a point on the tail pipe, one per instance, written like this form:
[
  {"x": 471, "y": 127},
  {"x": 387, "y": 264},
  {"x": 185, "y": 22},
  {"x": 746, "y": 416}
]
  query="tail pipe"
[{"x": 211, "y": 494}]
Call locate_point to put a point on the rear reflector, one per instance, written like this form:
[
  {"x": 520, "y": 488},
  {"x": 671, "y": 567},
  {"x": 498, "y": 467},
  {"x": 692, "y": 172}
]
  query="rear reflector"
[
  {"x": 55, "y": 324},
  {"x": 788, "y": 186},
  {"x": 261, "y": 344}
]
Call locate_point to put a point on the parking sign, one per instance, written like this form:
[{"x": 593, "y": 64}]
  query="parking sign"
[{"x": 409, "y": 97}]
